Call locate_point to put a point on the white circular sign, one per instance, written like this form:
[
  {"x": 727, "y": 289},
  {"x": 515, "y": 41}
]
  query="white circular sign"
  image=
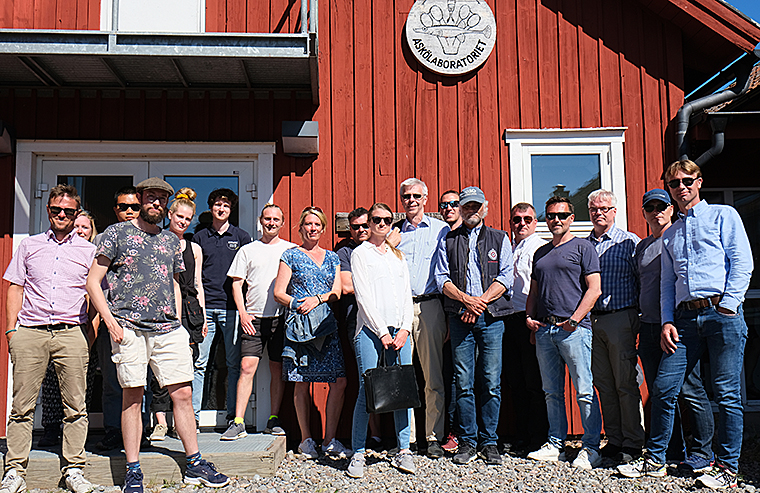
[{"x": 451, "y": 37}]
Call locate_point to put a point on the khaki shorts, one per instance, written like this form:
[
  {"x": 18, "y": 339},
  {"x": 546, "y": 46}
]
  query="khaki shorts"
[{"x": 168, "y": 353}]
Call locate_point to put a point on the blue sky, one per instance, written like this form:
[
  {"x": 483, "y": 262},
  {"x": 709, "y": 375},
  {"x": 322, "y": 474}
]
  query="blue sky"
[{"x": 750, "y": 8}]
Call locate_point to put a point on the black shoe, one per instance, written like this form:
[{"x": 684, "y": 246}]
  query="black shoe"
[
  {"x": 628, "y": 454},
  {"x": 491, "y": 455},
  {"x": 50, "y": 437},
  {"x": 610, "y": 451},
  {"x": 467, "y": 453},
  {"x": 111, "y": 441},
  {"x": 274, "y": 427},
  {"x": 374, "y": 443},
  {"x": 145, "y": 442},
  {"x": 434, "y": 450},
  {"x": 395, "y": 450}
]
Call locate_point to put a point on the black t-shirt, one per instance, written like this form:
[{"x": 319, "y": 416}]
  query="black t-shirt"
[
  {"x": 218, "y": 252},
  {"x": 347, "y": 301}
]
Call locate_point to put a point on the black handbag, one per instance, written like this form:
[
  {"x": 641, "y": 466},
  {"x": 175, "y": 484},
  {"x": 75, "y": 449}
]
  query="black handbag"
[{"x": 390, "y": 388}]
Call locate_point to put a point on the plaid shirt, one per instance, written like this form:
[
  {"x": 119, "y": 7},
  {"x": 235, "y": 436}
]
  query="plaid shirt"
[{"x": 620, "y": 288}]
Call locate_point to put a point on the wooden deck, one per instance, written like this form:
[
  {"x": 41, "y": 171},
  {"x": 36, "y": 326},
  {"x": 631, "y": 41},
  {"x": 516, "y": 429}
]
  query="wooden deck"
[{"x": 164, "y": 462}]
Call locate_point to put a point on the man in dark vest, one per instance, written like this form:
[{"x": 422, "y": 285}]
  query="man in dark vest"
[{"x": 474, "y": 272}]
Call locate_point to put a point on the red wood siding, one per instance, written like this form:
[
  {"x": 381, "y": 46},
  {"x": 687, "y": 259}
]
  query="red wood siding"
[{"x": 50, "y": 14}]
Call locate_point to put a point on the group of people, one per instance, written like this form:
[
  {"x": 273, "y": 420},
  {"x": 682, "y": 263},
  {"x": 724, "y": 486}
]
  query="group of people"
[{"x": 482, "y": 309}]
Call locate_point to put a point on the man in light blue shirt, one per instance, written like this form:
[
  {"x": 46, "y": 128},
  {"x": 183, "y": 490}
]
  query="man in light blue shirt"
[
  {"x": 706, "y": 269},
  {"x": 474, "y": 271},
  {"x": 419, "y": 236}
]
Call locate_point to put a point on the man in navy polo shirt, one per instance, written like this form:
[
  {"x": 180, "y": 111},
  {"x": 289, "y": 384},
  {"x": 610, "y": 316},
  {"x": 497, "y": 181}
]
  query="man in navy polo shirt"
[{"x": 220, "y": 242}]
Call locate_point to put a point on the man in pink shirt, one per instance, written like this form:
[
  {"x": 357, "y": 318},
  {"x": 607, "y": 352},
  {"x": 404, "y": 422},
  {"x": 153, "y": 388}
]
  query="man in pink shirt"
[{"x": 47, "y": 321}]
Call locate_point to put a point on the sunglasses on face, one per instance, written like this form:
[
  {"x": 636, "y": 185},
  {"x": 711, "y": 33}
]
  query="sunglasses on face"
[
  {"x": 311, "y": 208},
  {"x": 357, "y": 227},
  {"x": 687, "y": 182},
  {"x": 659, "y": 206},
  {"x": 451, "y": 203},
  {"x": 56, "y": 211},
  {"x": 410, "y": 196},
  {"x": 123, "y": 207},
  {"x": 550, "y": 216},
  {"x": 386, "y": 220},
  {"x": 519, "y": 219}
]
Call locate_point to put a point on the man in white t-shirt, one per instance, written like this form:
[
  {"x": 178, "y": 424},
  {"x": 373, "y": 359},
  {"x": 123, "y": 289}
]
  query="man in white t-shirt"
[{"x": 261, "y": 321}]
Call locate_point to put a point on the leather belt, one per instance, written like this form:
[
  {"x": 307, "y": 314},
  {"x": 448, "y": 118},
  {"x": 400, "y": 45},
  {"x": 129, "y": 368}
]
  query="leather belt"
[
  {"x": 700, "y": 303},
  {"x": 552, "y": 320},
  {"x": 53, "y": 326},
  {"x": 426, "y": 297},
  {"x": 608, "y": 312}
]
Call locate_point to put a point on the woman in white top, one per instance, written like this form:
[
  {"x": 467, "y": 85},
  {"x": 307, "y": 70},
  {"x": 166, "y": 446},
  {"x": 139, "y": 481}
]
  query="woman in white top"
[{"x": 384, "y": 321}]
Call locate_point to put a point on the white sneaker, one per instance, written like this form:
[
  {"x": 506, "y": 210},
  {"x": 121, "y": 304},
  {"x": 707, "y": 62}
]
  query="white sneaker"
[
  {"x": 159, "y": 433},
  {"x": 547, "y": 452},
  {"x": 308, "y": 449},
  {"x": 356, "y": 467},
  {"x": 336, "y": 449},
  {"x": 12, "y": 482},
  {"x": 76, "y": 482},
  {"x": 587, "y": 459}
]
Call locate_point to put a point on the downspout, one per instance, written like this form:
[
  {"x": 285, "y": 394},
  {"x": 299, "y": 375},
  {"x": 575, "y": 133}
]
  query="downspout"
[{"x": 683, "y": 117}]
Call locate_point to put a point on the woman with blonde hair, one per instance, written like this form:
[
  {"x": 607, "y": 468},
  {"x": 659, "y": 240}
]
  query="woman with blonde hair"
[
  {"x": 384, "y": 321},
  {"x": 307, "y": 280},
  {"x": 84, "y": 225}
]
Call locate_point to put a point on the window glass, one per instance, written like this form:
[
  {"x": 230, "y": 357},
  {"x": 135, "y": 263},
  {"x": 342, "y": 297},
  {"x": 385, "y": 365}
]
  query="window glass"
[
  {"x": 748, "y": 206},
  {"x": 567, "y": 175},
  {"x": 96, "y": 193}
]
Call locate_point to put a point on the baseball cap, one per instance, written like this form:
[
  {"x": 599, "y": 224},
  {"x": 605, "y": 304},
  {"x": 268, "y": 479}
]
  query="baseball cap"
[
  {"x": 155, "y": 182},
  {"x": 471, "y": 194},
  {"x": 656, "y": 194}
]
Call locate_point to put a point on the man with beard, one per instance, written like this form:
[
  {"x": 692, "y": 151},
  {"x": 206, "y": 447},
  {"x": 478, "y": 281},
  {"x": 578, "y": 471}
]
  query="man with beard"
[
  {"x": 143, "y": 263},
  {"x": 474, "y": 272},
  {"x": 262, "y": 320},
  {"x": 47, "y": 321}
]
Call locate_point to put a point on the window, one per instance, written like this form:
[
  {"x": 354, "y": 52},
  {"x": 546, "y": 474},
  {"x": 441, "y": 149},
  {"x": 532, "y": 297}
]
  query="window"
[{"x": 570, "y": 163}]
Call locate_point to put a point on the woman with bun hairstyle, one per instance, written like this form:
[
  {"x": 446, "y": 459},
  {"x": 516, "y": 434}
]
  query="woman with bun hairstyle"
[{"x": 384, "y": 321}]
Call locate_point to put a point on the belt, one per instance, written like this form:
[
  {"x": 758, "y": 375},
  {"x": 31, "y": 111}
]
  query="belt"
[
  {"x": 552, "y": 320},
  {"x": 700, "y": 303},
  {"x": 608, "y": 312},
  {"x": 53, "y": 326},
  {"x": 426, "y": 297}
]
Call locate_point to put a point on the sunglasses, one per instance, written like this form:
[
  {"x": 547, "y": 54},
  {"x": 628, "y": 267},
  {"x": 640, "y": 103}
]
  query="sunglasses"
[
  {"x": 451, "y": 203},
  {"x": 603, "y": 210},
  {"x": 386, "y": 220},
  {"x": 519, "y": 219},
  {"x": 311, "y": 208},
  {"x": 660, "y": 206},
  {"x": 357, "y": 227},
  {"x": 410, "y": 196},
  {"x": 56, "y": 211},
  {"x": 123, "y": 207},
  {"x": 687, "y": 182},
  {"x": 550, "y": 216}
]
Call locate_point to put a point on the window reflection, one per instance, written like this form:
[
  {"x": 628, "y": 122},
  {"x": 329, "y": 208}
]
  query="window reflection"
[{"x": 568, "y": 175}]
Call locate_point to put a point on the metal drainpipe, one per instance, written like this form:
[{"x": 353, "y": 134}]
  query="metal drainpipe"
[{"x": 685, "y": 112}]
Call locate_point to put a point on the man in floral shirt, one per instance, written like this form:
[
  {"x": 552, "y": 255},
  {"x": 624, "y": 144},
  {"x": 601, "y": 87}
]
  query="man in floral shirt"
[{"x": 141, "y": 264}]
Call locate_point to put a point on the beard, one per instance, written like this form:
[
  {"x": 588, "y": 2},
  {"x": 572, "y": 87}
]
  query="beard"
[{"x": 152, "y": 219}]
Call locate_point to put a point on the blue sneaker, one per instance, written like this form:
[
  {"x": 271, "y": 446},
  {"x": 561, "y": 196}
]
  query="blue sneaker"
[
  {"x": 696, "y": 463},
  {"x": 204, "y": 473},
  {"x": 133, "y": 481}
]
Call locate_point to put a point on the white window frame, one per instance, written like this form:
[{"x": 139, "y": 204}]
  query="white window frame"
[{"x": 606, "y": 142}]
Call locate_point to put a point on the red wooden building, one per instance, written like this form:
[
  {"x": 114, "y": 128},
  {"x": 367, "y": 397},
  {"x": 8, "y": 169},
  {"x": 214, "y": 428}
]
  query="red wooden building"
[{"x": 99, "y": 94}]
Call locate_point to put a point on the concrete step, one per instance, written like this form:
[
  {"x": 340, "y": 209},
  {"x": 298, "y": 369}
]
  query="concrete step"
[{"x": 164, "y": 461}]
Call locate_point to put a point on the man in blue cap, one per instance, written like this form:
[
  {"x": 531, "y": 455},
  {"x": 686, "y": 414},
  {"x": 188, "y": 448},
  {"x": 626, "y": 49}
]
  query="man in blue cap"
[{"x": 474, "y": 271}]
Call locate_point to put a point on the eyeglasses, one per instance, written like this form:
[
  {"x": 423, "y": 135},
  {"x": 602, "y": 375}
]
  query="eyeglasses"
[
  {"x": 519, "y": 219},
  {"x": 651, "y": 206},
  {"x": 56, "y": 211},
  {"x": 410, "y": 196},
  {"x": 451, "y": 203},
  {"x": 357, "y": 227},
  {"x": 603, "y": 210},
  {"x": 123, "y": 207},
  {"x": 687, "y": 182},
  {"x": 558, "y": 215},
  {"x": 387, "y": 220}
]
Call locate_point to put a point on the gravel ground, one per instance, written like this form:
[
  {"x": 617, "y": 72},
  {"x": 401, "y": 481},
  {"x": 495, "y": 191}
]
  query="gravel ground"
[{"x": 326, "y": 475}]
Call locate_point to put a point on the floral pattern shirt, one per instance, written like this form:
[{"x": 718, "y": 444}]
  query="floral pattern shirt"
[{"x": 141, "y": 276}]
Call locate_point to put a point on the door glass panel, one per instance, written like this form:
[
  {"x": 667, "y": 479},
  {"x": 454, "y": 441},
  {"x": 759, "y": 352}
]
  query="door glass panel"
[
  {"x": 97, "y": 195},
  {"x": 748, "y": 206},
  {"x": 203, "y": 186},
  {"x": 567, "y": 175}
]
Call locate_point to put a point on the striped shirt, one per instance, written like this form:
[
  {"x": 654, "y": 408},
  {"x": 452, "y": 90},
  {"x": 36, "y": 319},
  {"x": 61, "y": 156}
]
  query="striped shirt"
[
  {"x": 53, "y": 276},
  {"x": 619, "y": 282}
]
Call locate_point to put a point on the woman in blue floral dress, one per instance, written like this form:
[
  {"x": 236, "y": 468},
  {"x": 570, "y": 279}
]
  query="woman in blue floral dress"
[{"x": 308, "y": 279}]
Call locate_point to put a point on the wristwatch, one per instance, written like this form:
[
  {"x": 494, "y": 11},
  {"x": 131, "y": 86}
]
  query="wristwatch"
[{"x": 573, "y": 323}]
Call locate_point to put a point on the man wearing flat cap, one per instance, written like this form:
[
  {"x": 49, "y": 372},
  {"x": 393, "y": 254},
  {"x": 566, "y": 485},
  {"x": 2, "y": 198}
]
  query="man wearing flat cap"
[
  {"x": 474, "y": 271},
  {"x": 142, "y": 263}
]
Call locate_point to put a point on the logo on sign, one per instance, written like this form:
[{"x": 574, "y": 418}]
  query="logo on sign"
[
  {"x": 492, "y": 254},
  {"x": 451, "y": 37}
]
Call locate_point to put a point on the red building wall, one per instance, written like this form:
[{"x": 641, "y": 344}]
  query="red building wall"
[{"x": 50, "y": 14}]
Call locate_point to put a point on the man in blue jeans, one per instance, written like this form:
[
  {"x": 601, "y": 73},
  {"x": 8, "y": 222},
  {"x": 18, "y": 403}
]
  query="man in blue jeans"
[
  {"x": 220, "y": 242},
  {"x": 706, "y": 268},
  {"x": 658, "y": 212},
  {"x": 474, "y": 272},
  {"x": 564, "y": 287}
]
